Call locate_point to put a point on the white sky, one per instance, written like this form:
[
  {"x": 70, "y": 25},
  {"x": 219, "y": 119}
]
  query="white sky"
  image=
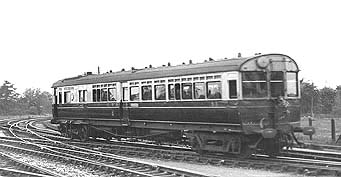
[{"x": 45, "y": 41}]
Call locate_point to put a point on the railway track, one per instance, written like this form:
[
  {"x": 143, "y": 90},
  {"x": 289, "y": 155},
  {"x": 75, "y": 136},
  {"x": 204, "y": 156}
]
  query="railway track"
[
  {"x": 11, "y": 166},
  {"x": 298, "y": 160},
  {"x": 95, "y": 161}
]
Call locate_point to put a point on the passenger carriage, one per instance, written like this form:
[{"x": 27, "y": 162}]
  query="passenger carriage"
[{"x": 229, "y": 105}]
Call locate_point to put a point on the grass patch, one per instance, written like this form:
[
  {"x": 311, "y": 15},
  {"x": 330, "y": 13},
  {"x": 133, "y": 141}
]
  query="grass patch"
[{"x": 323, "y": 133}]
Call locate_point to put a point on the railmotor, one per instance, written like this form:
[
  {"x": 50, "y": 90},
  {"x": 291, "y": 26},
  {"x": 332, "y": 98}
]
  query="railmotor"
[{"x": 230, "y": 105}]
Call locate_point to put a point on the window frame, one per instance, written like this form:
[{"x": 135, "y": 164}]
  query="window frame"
[
  {"x": 274, "y": 81},
  {"x": 155, "y": 92},
  {"x": 208, "y": 90},
  {"x": 296, "y": 85},
  {"x": 189, "y": 84},
  {"x": 230, "y": 96},
  {"x": 150, "y": 97},
  {"x": 137, "y": 94},
  {"x": 261, "y": 83},
  {"x": 204, "y": 91}
]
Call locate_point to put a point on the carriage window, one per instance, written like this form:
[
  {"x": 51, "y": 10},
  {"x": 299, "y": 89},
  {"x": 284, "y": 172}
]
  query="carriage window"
[
  {"x": 187, "y": 91},
  {"x": 199, "y": 90},
  {"x": 67, "y": 97},
  {"x": 254, "y": 85},
  {"x": 60, "y": 97},
  {"x": 232, "y": 89},
  {"x": 104, "y": 94},
  {"x": 125, "y": 94},
  {"x": 82, "y": 95},
  {"x": 160, "y": 92},
  {"x": 171, "y": 92},
  {"x": 146, "y": 92},
  {"x": 134, "y": 93},
  {"x": 174, "y": 91},
  {"x": 112, "y": 94},
  {"x": 214, "y": 90},
  {"x": 292, "y": 89},
  {"x": 96, "y": 95},
  {"x": 276, "y": 84},
  {"x": 177, "y": 91}
]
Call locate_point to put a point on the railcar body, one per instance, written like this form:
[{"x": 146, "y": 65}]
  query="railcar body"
[{"x": 229, "y": 105}]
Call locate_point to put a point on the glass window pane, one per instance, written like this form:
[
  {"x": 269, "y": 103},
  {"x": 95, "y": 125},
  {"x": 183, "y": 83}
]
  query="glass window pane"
[
  {"x": 134, "y": 94},
  {"x": 276, "y": 84},
  {"x": 277, "y": 75},
  {"x": 277, "y": 89},
  {"x": 160, "y": 92},
  {"x": 177, "y": 91},
  {"x": 291, "y": 76},
  {"x": 67, "y": 97},
  {"x": 125, "y": 94},
  {"x": 84, "y": 95},
  {"x": 146, "y": 92},
  {"x": 213, "y": 90},
  {"x": 98, "y": 94},
  {"x": 199, "y": 90},
  {"x": 171, "y": 92},
  {"x": 104, "y": 94},
  {"x": 187, "y": 91},
  {"x": 232, "y": 89},
  {"x": 254, "y": 89},
  {"x": 80, "y": 96},
  {"x": 60, "y": 98},
  {"x": 112, "y": 94},
  {"x": 94, "y": 95},
  {"x": 292, "y": 88},
  {"x": 254, "y": 76}
]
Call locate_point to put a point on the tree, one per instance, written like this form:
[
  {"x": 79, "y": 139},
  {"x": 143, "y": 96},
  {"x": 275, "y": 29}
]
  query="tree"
[
  {"x": 38, "y": 102},
  {"x": 327, "y": 95},
  {"x": 8, "y": 98},
  {"x": 337, "y": 103},
  {"x": 310, "y": 101}
]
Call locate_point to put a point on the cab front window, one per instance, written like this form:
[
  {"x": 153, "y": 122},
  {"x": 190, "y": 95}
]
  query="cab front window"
[
  {"x": 292, "y": 84},
  {"x": 276, "y": 84},
  {"x": 254, "y": 84}
]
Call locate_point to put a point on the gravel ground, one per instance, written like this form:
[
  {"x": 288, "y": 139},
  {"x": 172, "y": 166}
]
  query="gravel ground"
[
  {"x": 221, "y": 171},
  {"x": 216, "y": 171},
  {"x": 79, "y": 171},
  {"x": 64, "y": 169}
]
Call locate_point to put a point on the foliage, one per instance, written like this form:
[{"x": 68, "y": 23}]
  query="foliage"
[
  {"x": 37, "y": 101},
  {"x": 310, "y": 100},
  {"x": 337, "y": 104},
  {"x": 327, "y": 96},
  {"x": 8, "y": 98},
  {"x": 320, "y": 101},
  {"x": 33, "y": 101}
]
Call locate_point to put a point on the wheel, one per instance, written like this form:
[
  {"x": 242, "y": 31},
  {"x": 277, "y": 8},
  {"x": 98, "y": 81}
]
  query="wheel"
[{"x": 83, "y": 133}]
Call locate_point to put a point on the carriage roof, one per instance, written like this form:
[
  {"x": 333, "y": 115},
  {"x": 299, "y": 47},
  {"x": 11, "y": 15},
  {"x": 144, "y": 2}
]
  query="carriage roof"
[{"x": 225, "y": 65}]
